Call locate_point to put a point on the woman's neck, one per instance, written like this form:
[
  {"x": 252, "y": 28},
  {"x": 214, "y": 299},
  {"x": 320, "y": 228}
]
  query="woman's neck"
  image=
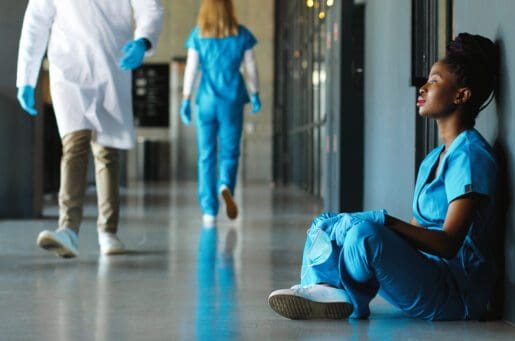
[{"x": 450, "y": 127}]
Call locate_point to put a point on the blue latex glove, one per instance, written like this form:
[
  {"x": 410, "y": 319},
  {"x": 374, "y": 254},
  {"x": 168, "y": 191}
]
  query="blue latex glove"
[
  {"x": 186, "y": 112},
  {"x": 27, "y": 99},
  {"x": 256, "y": 102},
  {"x": 337, "y": 226},
  {"x": 133, "y": 54}
]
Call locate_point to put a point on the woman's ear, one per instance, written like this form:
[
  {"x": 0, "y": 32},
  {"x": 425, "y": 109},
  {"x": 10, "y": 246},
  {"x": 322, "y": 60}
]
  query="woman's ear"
[{"x": 463, "y": 96}]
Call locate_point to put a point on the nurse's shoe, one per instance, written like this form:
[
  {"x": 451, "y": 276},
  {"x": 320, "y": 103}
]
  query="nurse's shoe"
[
  {"x": 230, "y": 205},
  {"x": 64, "y": 242},
  {"x": 208, "y": 221},
  {"x": 109, "y": 243},
  {"x": 311, "y": 302}
]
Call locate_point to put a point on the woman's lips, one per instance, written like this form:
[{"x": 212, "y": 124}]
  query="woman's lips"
[{"x": 420, "y": 102}]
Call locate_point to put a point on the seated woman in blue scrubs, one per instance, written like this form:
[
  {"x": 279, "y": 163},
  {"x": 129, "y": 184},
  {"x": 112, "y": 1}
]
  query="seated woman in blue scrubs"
[
  {"x": 218, "y": 46},
  {"x": 439, "y": 266}
]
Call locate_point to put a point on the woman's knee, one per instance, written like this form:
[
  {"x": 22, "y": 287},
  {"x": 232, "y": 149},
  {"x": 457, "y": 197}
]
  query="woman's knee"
[
  {"x": 362, "y": 231},
  {"x": 361, "y": 244}
]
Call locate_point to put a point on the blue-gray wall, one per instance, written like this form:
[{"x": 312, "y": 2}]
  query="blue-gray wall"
[
  {"x": 389, "y": 108},
  {"x": 16, "y": 128},
  {"x": 494, "y": 19}
]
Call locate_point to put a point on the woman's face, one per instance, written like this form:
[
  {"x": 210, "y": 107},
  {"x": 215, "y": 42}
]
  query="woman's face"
[{"x": 437, "y": 98}]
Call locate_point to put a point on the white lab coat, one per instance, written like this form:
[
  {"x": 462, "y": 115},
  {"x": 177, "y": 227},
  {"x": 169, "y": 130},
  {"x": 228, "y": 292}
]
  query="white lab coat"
[{"x": 85, "y": 39}]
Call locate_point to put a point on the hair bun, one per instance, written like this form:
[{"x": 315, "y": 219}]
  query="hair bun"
[
  {"x": 477, "y": 50},
  {"x": 474, "y": 61}
]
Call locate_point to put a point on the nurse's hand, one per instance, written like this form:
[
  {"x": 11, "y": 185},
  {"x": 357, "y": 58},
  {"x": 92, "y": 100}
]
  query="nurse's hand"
[
  {"x": 337, "y": 226},
  {"x": 256, "y": 102},
  {"x": 27, "y": 99},
  {"x": 133, "y": 54},
  {"x": 186, "y": 111},
  {"x": 375, "y": 217}
]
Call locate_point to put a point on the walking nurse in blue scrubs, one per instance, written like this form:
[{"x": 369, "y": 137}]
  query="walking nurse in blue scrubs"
[
  {"x": 440, "y": 265},
  {"x": 217, "y": 47}
]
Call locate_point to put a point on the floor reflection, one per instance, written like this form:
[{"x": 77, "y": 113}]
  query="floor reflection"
[
  {"x": 102, "y": 299},
  {"x": 216, "y": 301}
]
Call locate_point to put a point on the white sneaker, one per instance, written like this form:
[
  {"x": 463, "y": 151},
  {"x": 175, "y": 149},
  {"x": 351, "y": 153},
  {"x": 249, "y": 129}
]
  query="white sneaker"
[
  {"x": 312, "y": 302},
  {"x": 64, "y": 242},
  {"x": 110, "y": 244},
  {"x": 208, "y": 221},
  {"x": 230, "y": 206}
]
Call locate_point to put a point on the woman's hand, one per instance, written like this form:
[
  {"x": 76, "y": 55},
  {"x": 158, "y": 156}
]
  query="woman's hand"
[{"x": 337, "y": 225}]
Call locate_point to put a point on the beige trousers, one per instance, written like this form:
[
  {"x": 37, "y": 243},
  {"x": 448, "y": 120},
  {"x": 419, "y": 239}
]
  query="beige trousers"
[{"x": 74, "y": 166}]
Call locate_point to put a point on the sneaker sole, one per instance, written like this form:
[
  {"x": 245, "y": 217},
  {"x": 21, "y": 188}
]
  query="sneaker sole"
[
  {"x": 299, "y": 308},
  {"x": 50, "y": 244},
  {"x": 230, "y": 205},
  {"x": 113, "y": 252}
]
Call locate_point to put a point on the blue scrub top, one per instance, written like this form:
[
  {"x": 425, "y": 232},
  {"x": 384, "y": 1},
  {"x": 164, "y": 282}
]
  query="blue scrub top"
[
  {"x": 468, "y": 167},
  {"x": 220, "y": 60}
]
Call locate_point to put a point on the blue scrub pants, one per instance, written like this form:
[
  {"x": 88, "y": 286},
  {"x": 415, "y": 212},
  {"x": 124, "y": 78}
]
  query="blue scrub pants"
[
  {"x": 374, "y": 259},
  {"x": 219, "y": 129}
]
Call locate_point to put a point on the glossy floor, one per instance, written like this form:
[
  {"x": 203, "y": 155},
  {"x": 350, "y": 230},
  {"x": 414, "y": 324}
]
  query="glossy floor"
[{"x": 181, "y": 281}]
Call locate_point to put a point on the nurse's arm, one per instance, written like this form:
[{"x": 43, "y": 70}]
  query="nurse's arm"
[
  {"x": 414, "y": 221},
  {"x": 446, "y": 242},
  {"x": 190, "y": 73},
  {"x": 252, "y": 72},
  {"x": 35, "y": 34}
]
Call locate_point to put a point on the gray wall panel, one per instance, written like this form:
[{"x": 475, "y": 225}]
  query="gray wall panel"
[
  {"x": 389, "y": 108},
  {"x": 494, "y": 19},
  {"x": 17, "y": 128}
]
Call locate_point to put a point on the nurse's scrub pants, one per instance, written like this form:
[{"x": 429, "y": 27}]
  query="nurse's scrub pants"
[
  {"x": 219, "y": 129},
  {"x": 374, "y": 259},
  {"x": 74, "y": 165}
]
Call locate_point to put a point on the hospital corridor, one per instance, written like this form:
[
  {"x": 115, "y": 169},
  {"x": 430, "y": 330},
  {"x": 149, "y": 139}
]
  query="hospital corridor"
[
  {"x": 257, "y": 170},
  {"x": 180, "y": 281}
]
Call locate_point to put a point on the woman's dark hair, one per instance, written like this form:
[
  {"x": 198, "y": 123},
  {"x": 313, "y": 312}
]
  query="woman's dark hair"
[{"x": 473, "y": 59}]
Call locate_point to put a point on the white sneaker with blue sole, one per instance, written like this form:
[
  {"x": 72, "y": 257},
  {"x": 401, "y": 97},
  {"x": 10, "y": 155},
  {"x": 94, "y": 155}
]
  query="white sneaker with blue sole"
[{"x": 64, "y": 242}]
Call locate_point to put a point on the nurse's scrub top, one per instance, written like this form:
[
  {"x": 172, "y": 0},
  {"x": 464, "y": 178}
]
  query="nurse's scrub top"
[
  {"x": 468, "y": 167},
  {"x": 220, "y": 60}
]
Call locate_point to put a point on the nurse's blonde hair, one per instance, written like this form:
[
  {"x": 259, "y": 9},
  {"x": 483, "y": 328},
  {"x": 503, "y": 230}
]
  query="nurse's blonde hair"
[{"x": 216, "y": 19}]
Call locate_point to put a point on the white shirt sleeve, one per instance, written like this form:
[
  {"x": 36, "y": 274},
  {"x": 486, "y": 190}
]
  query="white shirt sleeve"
[
  {"x": 148, "y": 16},
  {"x": 35, "y": 33},
  {"x": 251, "y": 70},
  {"x": 190, "y": 73}
]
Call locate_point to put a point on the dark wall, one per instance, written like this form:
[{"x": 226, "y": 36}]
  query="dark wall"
[
  {"x": 17, "y": 130},
  {"x": 494, "y": 19}
]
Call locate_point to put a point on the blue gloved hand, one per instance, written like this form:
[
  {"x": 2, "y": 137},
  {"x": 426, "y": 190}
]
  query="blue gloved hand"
[
  {"x": 186, "y": 111},
  {"x": 337, "y": 226},
  {"x": 27, "y": 99},
  {"x": 256, "y": 102},
  {"x": 133, "y": 54}
]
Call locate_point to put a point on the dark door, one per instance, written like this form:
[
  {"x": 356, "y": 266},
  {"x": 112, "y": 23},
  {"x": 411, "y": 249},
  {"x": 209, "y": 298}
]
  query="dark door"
[{"x": 344, "y": 138}]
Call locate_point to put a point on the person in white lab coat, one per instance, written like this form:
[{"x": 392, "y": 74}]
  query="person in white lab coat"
[{"x": 92, "y": 46}]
